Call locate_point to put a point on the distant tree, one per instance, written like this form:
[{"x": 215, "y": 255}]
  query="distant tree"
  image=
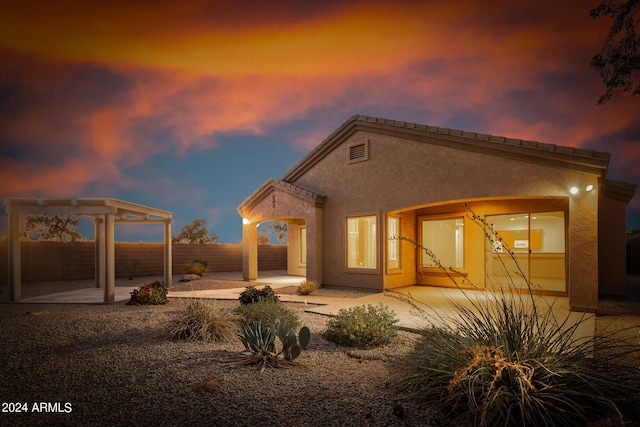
[
  {"x": 263, "y": 239},
  {"x": 53, "y": 227},
  {"x": 195, "y": 232},
  {"x": 276, "y": 229},
  {"x": 618, "y": 63}
]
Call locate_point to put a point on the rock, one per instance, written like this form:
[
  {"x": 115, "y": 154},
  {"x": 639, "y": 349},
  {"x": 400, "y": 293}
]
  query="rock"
[
  {"x": 210, "y": 386},
  {"x": 189, "y": 277}
]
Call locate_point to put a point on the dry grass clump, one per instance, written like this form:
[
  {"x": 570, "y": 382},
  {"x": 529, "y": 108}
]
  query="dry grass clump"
[{"x": 203, "y": 321}]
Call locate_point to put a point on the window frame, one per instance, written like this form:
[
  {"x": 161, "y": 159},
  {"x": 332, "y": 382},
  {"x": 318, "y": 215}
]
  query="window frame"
[
  {"x": 376, "y": 241},
  {"x": 435, "y": 269},
  {"x": 397, "y": 243},
  {"x": 302, "y": 246}
]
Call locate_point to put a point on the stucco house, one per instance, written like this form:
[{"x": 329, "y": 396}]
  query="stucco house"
[{"x": 373, "y": 179}]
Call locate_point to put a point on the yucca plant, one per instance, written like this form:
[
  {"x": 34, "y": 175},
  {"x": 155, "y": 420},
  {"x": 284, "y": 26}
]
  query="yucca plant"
[{"x": 507, "y": 359}]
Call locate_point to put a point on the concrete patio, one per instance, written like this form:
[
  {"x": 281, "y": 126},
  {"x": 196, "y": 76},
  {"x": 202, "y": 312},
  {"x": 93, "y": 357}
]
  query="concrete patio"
[{"x": 436, "y": 302}]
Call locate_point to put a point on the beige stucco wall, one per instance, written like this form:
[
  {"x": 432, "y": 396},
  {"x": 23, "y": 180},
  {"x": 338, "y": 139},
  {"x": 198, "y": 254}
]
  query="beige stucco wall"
[
  {"x": 403, "y": 174},
  {"x": 612, "y": 242}
]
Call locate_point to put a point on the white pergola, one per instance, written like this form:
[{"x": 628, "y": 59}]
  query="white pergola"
[{"x": 105, "y": 213}]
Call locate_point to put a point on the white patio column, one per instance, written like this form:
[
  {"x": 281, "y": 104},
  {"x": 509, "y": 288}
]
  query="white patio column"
[
  {"x": 110, "y": 264},
  {"x": 98, "y": 233},
  {"x": 168, "y": 251},
  {"x": 249, "y": 251},
  {"x": 13, "y": 249}
]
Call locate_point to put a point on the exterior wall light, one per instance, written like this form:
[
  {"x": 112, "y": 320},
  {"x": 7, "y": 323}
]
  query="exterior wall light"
[
  {"x": 246, "y": 221},
  {"x": 573, "y": 190},
  {"x": 589, "y": 187}
]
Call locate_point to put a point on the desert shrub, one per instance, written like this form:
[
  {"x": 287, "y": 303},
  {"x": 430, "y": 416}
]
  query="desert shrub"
[
  {"x": 266, "y": 312},
  {"x": 203, "y": 262},
  {"x": 509, "y": 360},
  {"x": 252, "y": 294},
  {"x": 196, "y": 267},
  {"x": 363, "y": 326},
  {"x": 307, "y": 287},
  {"x": 154, "y": 293},
  {"x": 198, "y": 320}
]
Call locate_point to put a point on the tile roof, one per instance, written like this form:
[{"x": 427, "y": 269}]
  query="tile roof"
[{"x": 584, "y": 160}]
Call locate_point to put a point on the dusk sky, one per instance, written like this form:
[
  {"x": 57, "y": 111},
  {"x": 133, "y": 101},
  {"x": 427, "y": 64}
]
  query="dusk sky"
[{"x": 189, "y": 106}]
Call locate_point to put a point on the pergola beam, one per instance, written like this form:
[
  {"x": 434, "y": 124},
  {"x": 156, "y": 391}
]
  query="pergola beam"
[{"x": 55, "y": 210}]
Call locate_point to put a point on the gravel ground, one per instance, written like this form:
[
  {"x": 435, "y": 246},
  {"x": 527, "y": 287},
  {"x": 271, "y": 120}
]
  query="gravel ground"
[
  {"x": 109, "y": 365},
  {"x": 64, "y": 364}
]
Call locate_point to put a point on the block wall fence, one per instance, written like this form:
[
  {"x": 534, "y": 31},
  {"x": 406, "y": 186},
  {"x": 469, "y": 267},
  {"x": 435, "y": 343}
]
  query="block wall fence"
[{"x": 54, "y": 261}]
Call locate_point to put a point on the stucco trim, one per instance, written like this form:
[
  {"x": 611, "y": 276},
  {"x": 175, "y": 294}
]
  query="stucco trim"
[{"x": 564, "y": 157}]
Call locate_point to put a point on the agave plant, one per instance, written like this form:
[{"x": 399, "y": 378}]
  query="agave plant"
[{"x": 261, "y": 349}]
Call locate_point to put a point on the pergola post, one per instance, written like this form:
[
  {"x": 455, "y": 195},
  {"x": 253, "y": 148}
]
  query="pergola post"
[
  {"x": 168, "y": 251},
  {"x": 98, "y": 225},
  {"x": 13, "y": 247},
  {"x": 109, "y": 251}
]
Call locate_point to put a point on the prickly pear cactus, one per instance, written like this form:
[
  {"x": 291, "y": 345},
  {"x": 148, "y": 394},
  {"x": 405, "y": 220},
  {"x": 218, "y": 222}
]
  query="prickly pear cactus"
[{"x": 304, "y": 336}]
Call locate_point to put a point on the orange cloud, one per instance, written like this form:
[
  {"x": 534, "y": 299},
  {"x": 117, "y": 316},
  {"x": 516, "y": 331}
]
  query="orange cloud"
[
  {"x": 67, "y": 179},
  {"x": 124, "y": 82}
]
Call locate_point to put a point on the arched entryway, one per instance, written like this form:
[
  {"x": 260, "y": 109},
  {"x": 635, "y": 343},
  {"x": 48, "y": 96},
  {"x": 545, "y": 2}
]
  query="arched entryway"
[{"x": 301, "y": 209}]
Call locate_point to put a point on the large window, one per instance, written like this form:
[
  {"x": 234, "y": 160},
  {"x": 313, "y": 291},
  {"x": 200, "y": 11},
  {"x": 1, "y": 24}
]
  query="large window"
[
  {"x": 445, "y": 238},
  {"x": 393, "y": 244},
  {"x": 361, "y": 242}
]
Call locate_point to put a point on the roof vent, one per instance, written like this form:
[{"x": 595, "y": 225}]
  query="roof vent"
[{"x": 358, "y": 152}]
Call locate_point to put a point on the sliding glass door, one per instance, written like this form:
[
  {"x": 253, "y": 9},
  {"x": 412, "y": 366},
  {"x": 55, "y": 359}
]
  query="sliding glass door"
[{"x": 537, "y": 241}]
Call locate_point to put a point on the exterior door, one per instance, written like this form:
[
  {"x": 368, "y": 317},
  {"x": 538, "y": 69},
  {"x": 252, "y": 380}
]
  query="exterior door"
[{"x": 537, "y": 241}]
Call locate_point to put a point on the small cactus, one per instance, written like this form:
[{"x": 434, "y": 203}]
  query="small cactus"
[
  {"x": 292, "y": 345},
  {"x": 304, "y": 336}
]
